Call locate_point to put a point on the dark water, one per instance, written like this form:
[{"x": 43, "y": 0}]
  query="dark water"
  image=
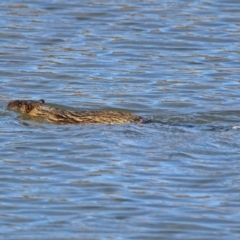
[{"x": 174, "y": 61}]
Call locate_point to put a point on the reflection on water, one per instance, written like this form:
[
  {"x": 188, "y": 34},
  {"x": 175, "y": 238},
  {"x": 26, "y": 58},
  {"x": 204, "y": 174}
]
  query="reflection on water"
[{"x": 176, "y": 62}]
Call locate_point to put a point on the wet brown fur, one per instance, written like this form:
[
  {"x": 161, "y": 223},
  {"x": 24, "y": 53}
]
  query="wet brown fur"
[{"x": 40, "y": 111}]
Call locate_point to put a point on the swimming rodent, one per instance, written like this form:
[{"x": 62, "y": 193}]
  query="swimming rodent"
[{"x": 38, "y": 110}]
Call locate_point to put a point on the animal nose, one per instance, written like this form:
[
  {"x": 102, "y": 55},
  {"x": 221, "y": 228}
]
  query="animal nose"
[{"x": 10, "y": 104}]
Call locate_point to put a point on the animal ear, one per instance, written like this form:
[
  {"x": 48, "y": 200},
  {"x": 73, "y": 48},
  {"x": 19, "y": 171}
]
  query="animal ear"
[{"x": 42, "y": 100}]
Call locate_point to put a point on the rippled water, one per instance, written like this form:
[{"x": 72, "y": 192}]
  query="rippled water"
[{"x": 174, "y": 61}]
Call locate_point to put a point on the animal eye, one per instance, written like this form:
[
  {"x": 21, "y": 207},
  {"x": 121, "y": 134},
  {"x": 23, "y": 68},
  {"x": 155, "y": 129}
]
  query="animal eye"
[{"x": 19, "y": 104}]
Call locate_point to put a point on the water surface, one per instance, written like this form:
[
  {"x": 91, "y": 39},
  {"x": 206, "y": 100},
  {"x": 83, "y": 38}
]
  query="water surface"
[{"x": 174, "y": 61}]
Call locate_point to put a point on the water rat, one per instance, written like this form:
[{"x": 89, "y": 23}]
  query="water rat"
[{"x": 39, "y": 110}]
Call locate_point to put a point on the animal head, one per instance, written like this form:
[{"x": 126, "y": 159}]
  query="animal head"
[{"x": 24, "y": 106}]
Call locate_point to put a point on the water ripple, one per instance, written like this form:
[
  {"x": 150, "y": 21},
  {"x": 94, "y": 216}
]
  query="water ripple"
[{"x": 175, "y": 62}]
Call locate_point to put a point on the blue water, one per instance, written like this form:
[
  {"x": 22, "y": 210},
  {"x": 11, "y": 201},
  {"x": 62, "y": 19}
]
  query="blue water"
[{"x": 176, "y": 62}]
